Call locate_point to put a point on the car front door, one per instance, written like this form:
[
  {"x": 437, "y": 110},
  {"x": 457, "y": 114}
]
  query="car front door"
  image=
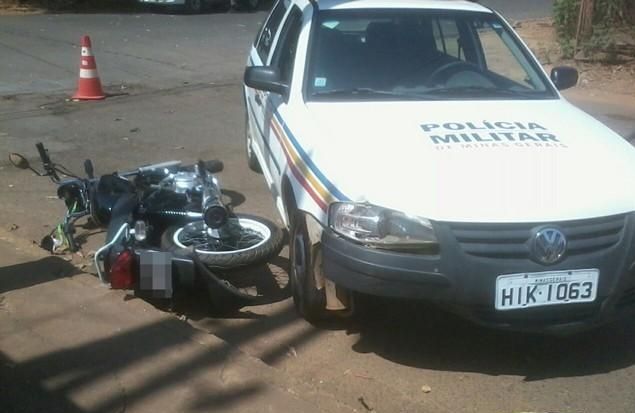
[
  {"x": 283, "y": 58},
  {"x": 256, "y": 100}
]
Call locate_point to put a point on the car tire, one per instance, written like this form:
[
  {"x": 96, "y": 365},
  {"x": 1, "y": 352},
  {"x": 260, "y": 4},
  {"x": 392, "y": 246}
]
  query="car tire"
[
  {"x": 252, "y": 159},
  {"x": 194, "y": 6},
  {"x": 309, "y": 300}
]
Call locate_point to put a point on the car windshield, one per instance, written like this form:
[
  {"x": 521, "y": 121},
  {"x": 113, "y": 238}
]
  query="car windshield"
[{"x": 419, "y": 55}]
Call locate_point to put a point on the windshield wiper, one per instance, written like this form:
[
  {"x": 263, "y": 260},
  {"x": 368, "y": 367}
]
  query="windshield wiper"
[
  {"x": 360, "y": 91},
  {"x": 478, "y": 91}
]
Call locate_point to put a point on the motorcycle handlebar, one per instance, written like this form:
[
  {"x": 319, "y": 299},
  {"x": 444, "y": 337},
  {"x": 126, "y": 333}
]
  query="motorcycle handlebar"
[
  {"x": 43, "y": 155},
  {"x": 167, "y": 164},
  {"x": 148, "y": 168},
  {"x": 46, "y": 161}
]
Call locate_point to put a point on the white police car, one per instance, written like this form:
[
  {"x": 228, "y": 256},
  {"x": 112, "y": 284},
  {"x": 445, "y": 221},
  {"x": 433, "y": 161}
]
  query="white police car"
[{"x": 416, "y": 148}]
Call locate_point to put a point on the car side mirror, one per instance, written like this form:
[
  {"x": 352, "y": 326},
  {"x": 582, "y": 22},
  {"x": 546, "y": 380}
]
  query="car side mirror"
[
  {"x": 265, "y": 78},
  {"x": 564, "y": 77},
  {"x": 214, "y": 166},
  {"x": 19, "y": 161}
]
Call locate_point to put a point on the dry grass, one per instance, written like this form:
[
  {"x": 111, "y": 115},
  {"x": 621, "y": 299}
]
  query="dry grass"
[{"x": 541, "y": 37}]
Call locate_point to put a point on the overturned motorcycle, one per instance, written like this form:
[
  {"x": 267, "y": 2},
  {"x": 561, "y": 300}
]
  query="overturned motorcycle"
[{"x": 166, "y": 226}]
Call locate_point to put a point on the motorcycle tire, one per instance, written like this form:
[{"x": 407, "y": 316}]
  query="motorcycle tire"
[{"x": 270, "y": 244}]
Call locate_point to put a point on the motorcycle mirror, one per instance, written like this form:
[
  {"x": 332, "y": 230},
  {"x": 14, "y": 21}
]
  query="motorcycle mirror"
[
  {"x": 88, "y": 168},
  {"x": 19, "y": 161}
]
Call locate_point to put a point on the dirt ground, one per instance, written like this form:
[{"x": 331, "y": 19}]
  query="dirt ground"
[{"x": 540, "y": 35}]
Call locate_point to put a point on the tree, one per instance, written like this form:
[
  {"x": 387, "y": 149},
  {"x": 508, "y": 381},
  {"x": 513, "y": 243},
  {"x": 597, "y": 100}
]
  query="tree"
[{"x": 585, "y": 22}]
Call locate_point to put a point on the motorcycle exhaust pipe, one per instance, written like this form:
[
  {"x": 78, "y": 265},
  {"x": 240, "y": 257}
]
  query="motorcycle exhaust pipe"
[
  {"x": 215, "y": 216},
  {"x": 214, "y": 212}
]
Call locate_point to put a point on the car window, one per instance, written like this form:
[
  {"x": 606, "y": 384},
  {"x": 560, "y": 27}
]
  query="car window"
[
  {"x": 284, "y": 56},
  {"x": 269, "y": 29},
  {"x": 501, "y": 55},
  {"x": 419, "y": 54},
  {"x": 447, "y": 37}
]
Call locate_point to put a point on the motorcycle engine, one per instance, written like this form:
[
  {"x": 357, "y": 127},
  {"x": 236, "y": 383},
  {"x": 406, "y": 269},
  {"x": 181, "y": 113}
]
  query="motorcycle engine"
[{"x": 182, "y": 182}]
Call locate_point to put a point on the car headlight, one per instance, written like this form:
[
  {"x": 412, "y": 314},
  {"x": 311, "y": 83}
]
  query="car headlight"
[{"x": 382, "y": 228}]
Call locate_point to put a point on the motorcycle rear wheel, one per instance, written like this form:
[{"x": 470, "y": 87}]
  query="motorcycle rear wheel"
[{"x": 254, "y": 240}]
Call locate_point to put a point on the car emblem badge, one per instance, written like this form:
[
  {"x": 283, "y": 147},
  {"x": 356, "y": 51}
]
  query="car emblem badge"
[{"x": 549, "y": 245}]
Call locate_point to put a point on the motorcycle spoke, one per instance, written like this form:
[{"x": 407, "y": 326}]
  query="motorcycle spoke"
[{"x": 240, "y": 238}]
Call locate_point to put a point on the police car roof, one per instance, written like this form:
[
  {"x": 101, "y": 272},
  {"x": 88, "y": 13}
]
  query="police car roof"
[{"x": 402, "y": 4}]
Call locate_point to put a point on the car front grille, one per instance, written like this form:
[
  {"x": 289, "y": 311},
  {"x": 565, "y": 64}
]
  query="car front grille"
[{"x": 512, "y": 240}]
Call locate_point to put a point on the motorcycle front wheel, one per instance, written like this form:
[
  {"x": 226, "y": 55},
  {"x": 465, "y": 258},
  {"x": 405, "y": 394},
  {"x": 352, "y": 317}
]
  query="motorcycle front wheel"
[{"x": 245, "y": 240}]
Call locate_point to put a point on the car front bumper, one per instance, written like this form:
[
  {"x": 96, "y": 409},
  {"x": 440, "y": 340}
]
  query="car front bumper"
[{"x": 462, "y": 278}]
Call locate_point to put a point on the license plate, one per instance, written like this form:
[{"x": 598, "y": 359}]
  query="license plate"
[
  {"x": 514, "y": 291},
  {"x": 156, "y": 273}
]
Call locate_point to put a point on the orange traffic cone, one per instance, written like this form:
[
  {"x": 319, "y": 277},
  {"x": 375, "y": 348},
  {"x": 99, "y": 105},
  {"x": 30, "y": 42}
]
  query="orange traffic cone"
[{"x": 89, "y": 85}]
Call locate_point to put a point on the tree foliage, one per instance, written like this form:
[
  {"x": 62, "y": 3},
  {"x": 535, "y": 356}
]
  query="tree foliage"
[{"x": 608, "y": 17}]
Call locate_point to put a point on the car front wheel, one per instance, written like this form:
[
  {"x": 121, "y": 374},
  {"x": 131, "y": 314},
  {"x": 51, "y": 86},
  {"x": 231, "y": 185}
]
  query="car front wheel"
[{"x": 309, "y": 298}]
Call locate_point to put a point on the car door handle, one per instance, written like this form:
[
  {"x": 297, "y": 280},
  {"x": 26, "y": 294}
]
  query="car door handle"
[{"x": 258, "y": 100}]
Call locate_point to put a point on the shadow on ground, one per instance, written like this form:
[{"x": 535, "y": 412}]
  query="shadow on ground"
[
  {"x": 77, "y": 368},
  {"x": 15, "y": 277},
  {"x": 417, "y": 335},
  {"x": 408, "y": 333},
  {"x": 47, "y": 382},
  {"x": 266, "y": 283}
]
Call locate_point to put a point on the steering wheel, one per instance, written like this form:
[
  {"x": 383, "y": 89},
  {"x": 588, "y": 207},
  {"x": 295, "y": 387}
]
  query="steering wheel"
[{"x": 451, "y": 68}]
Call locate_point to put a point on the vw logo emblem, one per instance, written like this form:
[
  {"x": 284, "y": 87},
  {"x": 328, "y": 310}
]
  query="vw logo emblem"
[{"x": 549, "y": 245}]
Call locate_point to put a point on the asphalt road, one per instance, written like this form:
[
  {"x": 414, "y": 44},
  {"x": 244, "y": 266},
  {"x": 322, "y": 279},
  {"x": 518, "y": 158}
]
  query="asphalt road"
[
  {"x": 40, "y": 53},
  {"x": 181, "y": 99}
]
